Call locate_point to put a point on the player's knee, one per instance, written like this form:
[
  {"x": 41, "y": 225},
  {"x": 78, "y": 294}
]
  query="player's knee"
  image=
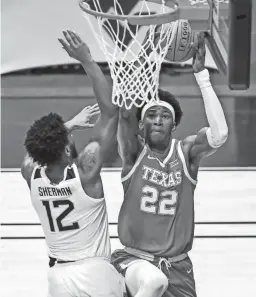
[{"x": 156, "y": 283}]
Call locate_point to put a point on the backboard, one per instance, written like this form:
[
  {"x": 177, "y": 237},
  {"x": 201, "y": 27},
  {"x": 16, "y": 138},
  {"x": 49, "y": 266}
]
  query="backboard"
[
  {"x": 218, "y": 37},
  {"x": 228, "y": 24},
  {"x": 229, "y": 39}
]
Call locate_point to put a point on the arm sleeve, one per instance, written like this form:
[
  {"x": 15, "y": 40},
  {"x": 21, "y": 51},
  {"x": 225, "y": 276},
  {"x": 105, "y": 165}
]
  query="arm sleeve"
[{"x": 218, "y": 130}]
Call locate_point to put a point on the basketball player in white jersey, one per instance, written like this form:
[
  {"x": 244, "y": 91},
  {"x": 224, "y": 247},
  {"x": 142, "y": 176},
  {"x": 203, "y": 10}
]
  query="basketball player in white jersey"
[
  {"x": 159, "y": 176},
  {"x": 67, "y": 192}
]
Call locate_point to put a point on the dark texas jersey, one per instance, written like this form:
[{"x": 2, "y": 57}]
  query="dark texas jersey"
[{"x": 157, "y": 214}]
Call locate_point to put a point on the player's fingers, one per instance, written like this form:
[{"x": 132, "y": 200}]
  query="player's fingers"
[
  {"x": 90, "y": 125},
  {"x": 193, "y": 45},
  {"x": 93, "y": 114},
  {"x": 200, "y": 39},
  {"x": 94, "y": 108},
  {"x": 68, "y": 38},
  {"x": 94, "y": 105},
  {"x": 73, "y": 37},
  {"x": 201, "y": 48},
  {"x": 77, "y": 37},
  {"x": 86, "y": 108},
  {"x": 64, "y": 45}
]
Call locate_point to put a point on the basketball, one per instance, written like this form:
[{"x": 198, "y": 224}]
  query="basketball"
[{"x": 180, "y": 49}]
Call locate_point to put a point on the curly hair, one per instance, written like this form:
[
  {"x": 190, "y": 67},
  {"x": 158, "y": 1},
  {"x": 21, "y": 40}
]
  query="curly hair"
[
  {"x": 169, "y": 98},
  {"x": 46, "y": 139}
]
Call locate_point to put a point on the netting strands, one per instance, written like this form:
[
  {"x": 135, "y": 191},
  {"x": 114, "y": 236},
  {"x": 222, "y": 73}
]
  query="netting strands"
[{"x": 134, "y": 66}]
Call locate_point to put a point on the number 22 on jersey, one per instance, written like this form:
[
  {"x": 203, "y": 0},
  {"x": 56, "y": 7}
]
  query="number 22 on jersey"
[{"x": 156, "y": 202}]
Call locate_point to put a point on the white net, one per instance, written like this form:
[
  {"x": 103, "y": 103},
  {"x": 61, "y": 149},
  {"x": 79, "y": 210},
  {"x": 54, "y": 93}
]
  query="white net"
[{"x": 134, "y": 65}]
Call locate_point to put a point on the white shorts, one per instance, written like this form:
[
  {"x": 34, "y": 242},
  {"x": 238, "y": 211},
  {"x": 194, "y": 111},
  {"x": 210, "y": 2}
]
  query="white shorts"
[{"x": 94, "y": 277}]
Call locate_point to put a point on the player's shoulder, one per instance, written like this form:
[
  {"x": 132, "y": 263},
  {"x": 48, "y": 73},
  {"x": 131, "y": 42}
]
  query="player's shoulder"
[
  {"x": 88, "y": 156},
  {"x": 88, "y": 160}
]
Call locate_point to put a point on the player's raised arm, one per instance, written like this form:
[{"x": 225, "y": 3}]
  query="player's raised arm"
[
  {"x": 209, "y": 138},
  {"x": 78, "y": 49},
  {"x": 96, "y": 153},
  {"x": 128, "y": 139}
]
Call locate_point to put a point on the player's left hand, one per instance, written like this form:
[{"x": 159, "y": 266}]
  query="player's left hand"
[
  {"x": 75, "y": 46},
  {"x": 83, "y": 119},
  {"x": 198, "y": 63}
]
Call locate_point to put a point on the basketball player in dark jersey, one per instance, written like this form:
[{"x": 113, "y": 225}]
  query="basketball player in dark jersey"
[
  {"x": 67, "y": 192},
  {"x": 159, "y": 176}
]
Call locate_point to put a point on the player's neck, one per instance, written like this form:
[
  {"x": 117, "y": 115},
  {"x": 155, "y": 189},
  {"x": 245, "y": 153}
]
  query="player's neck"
[
  {"x": 161, "y": 149},
  {"x": 55, "y": 172}
]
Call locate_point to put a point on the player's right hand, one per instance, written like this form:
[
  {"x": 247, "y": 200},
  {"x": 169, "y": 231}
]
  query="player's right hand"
[
  {"x": 75, "y": 46},
  {"x": 198, "y": 63},
  {"x": 86, "y": 118}
]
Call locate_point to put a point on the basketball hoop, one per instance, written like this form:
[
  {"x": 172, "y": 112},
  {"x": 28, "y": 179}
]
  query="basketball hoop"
[
  {"x": 150, "y": 19},
  {"x": 134, "y": 66}
]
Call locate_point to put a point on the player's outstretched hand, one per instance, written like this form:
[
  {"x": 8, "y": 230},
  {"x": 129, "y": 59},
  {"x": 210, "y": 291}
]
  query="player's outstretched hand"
[
  {"x": 200, "y": 51},
  {"x": 75, "y": 46},
  {"x": 86, "y": 118}
]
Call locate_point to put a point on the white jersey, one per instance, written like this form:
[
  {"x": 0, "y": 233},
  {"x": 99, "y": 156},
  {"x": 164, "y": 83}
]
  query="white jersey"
[{"x": 75, "y": 225}]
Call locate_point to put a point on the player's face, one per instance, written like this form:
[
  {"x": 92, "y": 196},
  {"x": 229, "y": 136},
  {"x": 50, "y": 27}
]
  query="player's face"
[{"x": 158, "y": 124}]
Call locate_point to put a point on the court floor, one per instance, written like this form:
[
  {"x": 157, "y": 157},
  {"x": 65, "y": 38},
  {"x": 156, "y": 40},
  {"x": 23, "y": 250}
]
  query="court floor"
[{"x": 224, "y": 247}]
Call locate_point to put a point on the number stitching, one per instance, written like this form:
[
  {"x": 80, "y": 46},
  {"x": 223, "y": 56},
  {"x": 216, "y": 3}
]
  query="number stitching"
[
  {"x": 59, "y": 219},
  {"x": 143, "y": 206},
  {"x": 70, "y": 207},
  {"x": 49, "y": 214},
  {"x": 164, "y": 199}
]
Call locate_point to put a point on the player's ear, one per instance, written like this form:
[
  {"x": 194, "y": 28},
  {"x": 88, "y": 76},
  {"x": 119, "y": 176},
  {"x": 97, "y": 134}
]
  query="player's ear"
[
  {"x": 174, "y": 127},
  {"x": 141, "y": 125},
  {"x": 67, "y": 150}
]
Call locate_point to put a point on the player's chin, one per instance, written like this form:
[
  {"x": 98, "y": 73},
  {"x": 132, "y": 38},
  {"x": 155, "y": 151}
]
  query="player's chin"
[{"x": 157, "y": 137}]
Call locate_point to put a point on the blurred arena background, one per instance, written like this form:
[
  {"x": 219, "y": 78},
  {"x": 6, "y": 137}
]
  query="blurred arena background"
[{"x": 37, "y": 77}]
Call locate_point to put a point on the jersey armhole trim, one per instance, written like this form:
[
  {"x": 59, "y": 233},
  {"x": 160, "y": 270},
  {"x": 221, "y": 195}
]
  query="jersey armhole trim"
[
  {"x": 129, "y": 174},
  {"x": 168, "y": 157},
  {"x": 181, "y": 155},
  {"x": 33, "y": 175}
]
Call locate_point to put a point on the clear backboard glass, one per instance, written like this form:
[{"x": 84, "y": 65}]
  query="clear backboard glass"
[
  {"x": 211, "y": 16},
  {"x": 219, "y": 33},
  {"x": 232, "y": 40}
]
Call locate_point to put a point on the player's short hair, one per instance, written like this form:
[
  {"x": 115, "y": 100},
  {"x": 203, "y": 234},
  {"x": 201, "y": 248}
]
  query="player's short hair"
[
  {"x": 169, "y": 98},
  {"x": 46, "y": 139}
]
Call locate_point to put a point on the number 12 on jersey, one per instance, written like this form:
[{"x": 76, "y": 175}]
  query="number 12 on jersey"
[
  {"x": 165, "y": 199},
  {"x": 69, "y": 208}
]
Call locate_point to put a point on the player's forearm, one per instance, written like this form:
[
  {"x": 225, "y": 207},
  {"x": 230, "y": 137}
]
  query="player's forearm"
[
  {"x": 127, "y": 135},
  {"x": 101, "y": 87},
  {"x": 218, "y": 132}
]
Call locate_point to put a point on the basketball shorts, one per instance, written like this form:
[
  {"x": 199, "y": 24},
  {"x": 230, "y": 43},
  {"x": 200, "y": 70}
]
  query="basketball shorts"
[
  {"x": 93, "y": 277},
  {"x": 181, "y": 282}
]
